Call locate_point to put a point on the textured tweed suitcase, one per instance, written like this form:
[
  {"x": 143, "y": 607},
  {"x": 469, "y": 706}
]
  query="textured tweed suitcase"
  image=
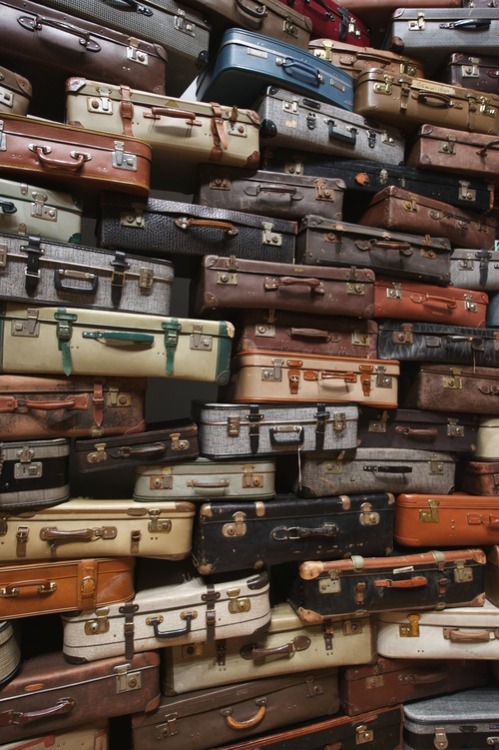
[
  {"x": 471, "y": 71},
  {"x": 232, "y": 536},
  {"x": 246, "y": 63},
  {"x": 48, "y": 694},
  {"x": 475, "y": 269},
  {"x": 286, "y": 647},
  {"x": 83, "y": 341},
  {"x": 86, "y": 527},
  {"x": 10, "y": 651},
  {"x": 227, "y": 430},
  {"x": 460, "y": 388},
  {"x": 331, "y": 19},
  {"x": 354, "y": 59},
  {"x": 322, "y": 242},
  {"x": 479, "y": 477},
  {"x": 487, "y": 439},
  {"x": 172, "y": 614},
  {"x": 236, "y": 711},
  {"x": 297, "y": 121},
  {"x": 15, "y": 92},
  {"x": 41, "y": 587},
  {"x": 30, "y": 210},
  {"x": 89, "y": 737}
]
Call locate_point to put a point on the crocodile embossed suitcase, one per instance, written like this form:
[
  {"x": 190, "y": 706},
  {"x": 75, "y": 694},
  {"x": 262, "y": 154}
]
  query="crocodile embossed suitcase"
[{"x": 15, "y": 92}]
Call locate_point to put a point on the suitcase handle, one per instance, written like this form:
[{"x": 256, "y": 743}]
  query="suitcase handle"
[
  {"x": 157, "y": 112},
  {"x": 467, "y": 24},
  {"x": 79, "y": 402},
  {"x": 184, "y": 223},
  {"x": 293, "y": 533},
  {"x": 315, "y": 285},
  {"x": 344, "y": 375},
  {"x": 388, "y": 469},
  {"x": 434, "y": 99},
  {"x": 262, "y": 188},
  {"x": 36, "y": 23},
  {"x": 292, "y": 434},
  {"x": 413, "y": 678},
  {"x": 253, "y": 721},
  {"x": 79, "y": 158},
  {"x": 416, "y": 432},
  {"x": 455, "y": 635},
  {"x": 137, "y": 7},
  {"x": 155, "y": 621},
  {"x": 483, "y": 151},
  {"x": 11, "y": 590},
  {"x": 404, "y": 583},
  {"x": 433, "y": 301},
  {"x": 126, "y": 337},
  {"x": 288, "y": 65},
  {"x": 352, "y": 138},
  {"x": 7, "y": 206},
  {"x": 257, "y": 653},
  {"x": 63, "y": 536},
  {"x": 79, "y": 276},
  {"x": 254, "y": 13},
  {"x": 404, "y": 248},
  {"x": 312, "y": 333},
  {"x": 220, "y": 485},
  {"x": 63, "y": 706}
]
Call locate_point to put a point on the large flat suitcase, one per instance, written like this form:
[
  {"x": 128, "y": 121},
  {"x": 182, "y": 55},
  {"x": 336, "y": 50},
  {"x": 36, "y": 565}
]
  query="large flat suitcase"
[
  {"x": 89, "y": 737},
  {"x": 331, "y": 19},
  {"x": 297, "y": 121},
  {"x": 229, "y": 430},
  {"x": 50, "y": 407},
  {"x": 42, "y": 587},
  {"x": 474, "y": 269},
  {"x": 354, "y": 59},
  {"x": 87, "y": 527},
  {"x": 246, "y": 63},
  {"x": 10, "y": 651},
  {"x": 83, "y": 341},
  {"x": 322, "y": 242},
  {"x": 15, "y": 92},
  {"x": 458, "y": 388},
  {"x": 48, "y": 694},
  {"x": 471, "y": 71},
  {"x": 172, "y": 614},
  {"x": 232, "y": 536}
]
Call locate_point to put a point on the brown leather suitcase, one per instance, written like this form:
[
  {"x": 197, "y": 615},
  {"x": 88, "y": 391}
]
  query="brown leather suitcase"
[
  {"x": 480, "y": 73},
  {"x": 458, "y": 388},
  {"x": 354, "y": 59},
  {"x": 15, "y": 92},
  {"x": 479, "y": 477}
]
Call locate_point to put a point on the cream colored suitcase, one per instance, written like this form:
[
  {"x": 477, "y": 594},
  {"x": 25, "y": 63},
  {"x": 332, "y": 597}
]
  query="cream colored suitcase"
[
  {"x": 10, "y": 651},
  {"x": 487, "y": 439},
  {"x": 191, "y": 611},
  {"x": 83, "y": 341},
  {"x": 82, "y": 738},
  {"x": 288, "y": 646},
  {"x": 82, "y": 527}
]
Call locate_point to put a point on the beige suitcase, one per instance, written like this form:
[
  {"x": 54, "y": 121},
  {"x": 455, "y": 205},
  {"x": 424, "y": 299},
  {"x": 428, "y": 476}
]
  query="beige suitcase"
[
  {"x": 10, "y": 651},
  {"x": 487, "y": 439},
  {"x": 288, "y": 646},
  {"x": 81, "y": 738}
]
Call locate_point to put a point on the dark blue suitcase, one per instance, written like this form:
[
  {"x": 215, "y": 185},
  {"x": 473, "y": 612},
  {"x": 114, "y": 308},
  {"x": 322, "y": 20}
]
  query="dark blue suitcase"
[{"x": 246, "y": 63}]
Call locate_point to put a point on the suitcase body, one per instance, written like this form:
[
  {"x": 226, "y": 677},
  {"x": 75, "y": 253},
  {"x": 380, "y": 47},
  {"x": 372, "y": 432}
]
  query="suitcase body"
[
  {"x": 463, "y": 388},
  {"x": 354, "y": 59},
  {"x": 487, "y": 439},
  {"x": 331, "y": 20},
  {"x": 84, "y": 527},
  {"x": 10, "y": 651},
  {"x": 228, "y": 430},
  {"x": 232, "y": 536},
  {"x": 15, "y": 92},
  {"x": 175, "y": 614},
  {"x": 30, "y": 210},
  {"x": 247, "y": 62},
  {"x": 492, "y": 574},
  {"x": 470, "y": 71},
  {"x": 480, "y": 477},
  {"x": 411, "y": 256},
  {"x": 89, "y": 737},
  {"x": 115, "y": 343},
  {"x": 474, "y": 269},
  {"x": 291, "y": 376},
  {"x": 50, "y": 273},
  {"x": 50, "y": 694},
  {"x": 294, "y": 121},
  {"x": 63, "y": 586},
  {"x": 175, "y": 129}
]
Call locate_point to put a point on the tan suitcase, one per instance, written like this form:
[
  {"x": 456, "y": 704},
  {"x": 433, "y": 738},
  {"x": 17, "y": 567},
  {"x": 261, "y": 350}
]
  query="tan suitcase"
[
  {"x": 15, "y": 92},
  {"x": 354, "y": 59},
  {"x": 81, "y": 738}
]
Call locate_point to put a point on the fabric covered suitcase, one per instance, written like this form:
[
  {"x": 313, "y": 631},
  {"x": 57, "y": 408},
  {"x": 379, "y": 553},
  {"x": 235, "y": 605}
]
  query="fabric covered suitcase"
[
  {"x": 48, "y": 694},
  {"x": 470, "y": 71},
  {"x": 82, "y": 341},
  {"x": 474, "y": 269},
  {"x": 88, "y": 737},
  {"x": 288, "y": 646},
  {"x": 38, "y": 588},
  {"x": 15, "y": 92},
  {"x": 247, "y": 62},
  {"x": 50, "y": 407},
  {"x": 232, "y": 536},
  {"x": 227, "y": 430},
  {"x": 171, "y": 614},
  {"x": 10, "y": 651},
  {"x": 459, "y": 388},
  {"x": 86, "y": 527},
  {"x": 331, "y": 19},
  {"x": 237, "y": 711},
  {"x": 354, "y": 59},
  {"x": 479, "y": 477},
  {"x": 487, "y": 439},
  {"x": 411, "y": 256},
  {"x": 296, "y": 121},
  {"x": 50, "y": 273}
]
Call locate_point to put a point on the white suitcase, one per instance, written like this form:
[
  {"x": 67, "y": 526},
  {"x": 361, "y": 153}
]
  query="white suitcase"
[
  {"x": 82, "y": 738},
  {"x": 487, "y": 439}
]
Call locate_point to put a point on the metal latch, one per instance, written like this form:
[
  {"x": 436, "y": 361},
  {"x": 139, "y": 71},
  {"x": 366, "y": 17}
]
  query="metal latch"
[
  {"x": 238, "y": 604},
  {"x": 146, "y": 278},
  {"x": 126, "y": 680},
  {"x": 368, "y": 517},
  {"x": 133, "y": 218},
  {"x": 157, "y": 525},
  {"x": 122, "y": 159},
  {"x": 448, "y": 146},
  {"x": 99, "y": 624},
  {"x": 410, "y": 629},
  {"x": 182, "y": 24},
  {"x": 251, "y": 479},
  {"x": 462, "y": 572},
  {"x": 363, "y": 735},
  {"x": 237, "y": 527},
  {"x": 40, "y": 211},
  {"x": 394, "y": 292},
  {"x": 289, "y": 27},
  {"x": 331, "y": 584},
  {"x": 135, "y": 54},
  {"x": 417, "y": 24},
  {"x": 233, "y": 426},
  {"x": 168, "y": 728},
  {"x": 30, "y": 326},
  {"x": 273, "y": 373},
  {"x": 6, "y": 97},
  {"x": 101, "y": 105},
  {"x": 22, "y": 535},
  {"x": 454, "y": 381},
  {"x": 429, "y": 515},
  {"x": 98, "y": 455},
  {"x": 3, "y": 137},
  {"x": 200, "y": 341},
  {"x": 469, "y": 304},
  {"x": 177, "y": 443},
  {"x": 269, "y": 237},
  {"x": 454, "y": 429},
  {"x": 440, "y": 742},
  {"x": 354, "y": 287},
  {"x": 466, "y": 193},
  {"x": 435, "y": 466},
  {"x": 382, "y": 379},
  {"x": 33, "y": 470}
]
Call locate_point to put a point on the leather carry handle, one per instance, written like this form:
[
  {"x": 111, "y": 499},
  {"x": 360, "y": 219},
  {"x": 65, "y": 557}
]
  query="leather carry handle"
[
  {"x": 155, "y": 113},
  {"x": 292, "y": 434},
  {"x": 185, "y": 223},
  {"x": 7, "y": 206},
  {"x": 12, "y": 590},
  {"x": 257, "y": 653},
  {"x": 210, "y": 485},
  {"x": 127, "y": 451},
  {"x": 419, "y": 433},
  {"x": 404, "y": 248},
  {"x": 310, "y": 333},
  {"x": 155, "y": 621},
  {"x": 78, "y": 159},
  {"x": 253, "y": 721},
  {"x": 258, "y": 13},
  {"x": 79, "y": 402},
  {"x": 459, "y": 636},
  {"x": 434, "y": 99},
  {"x": 289, "y": 65},
  {"x": 315, "y": 285},
  {"x": 422, "y": 678},
  {"x": 60, "y": 274},
  {"x": 492, "y": 144},
  {"x": 343, "y": 375},
  {"x": 271, "y": 188},
  {"x": 294, "y": 533},
  {"x": 63, "y": 706},
  {"x": 133, "y": 5},
  {"x": 36, "y": 23},
  {"x": 433, "y": 301},
  {"x": 61, "y": 536},
  {"x": 404, "y": 583},
  {"x": 123, "y": 337}
]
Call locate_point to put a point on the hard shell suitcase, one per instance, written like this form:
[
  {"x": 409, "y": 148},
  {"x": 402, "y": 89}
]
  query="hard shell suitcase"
[
  {"x": 50, "y": 272},
  {"x": 48, "y": 694},
  {"x": 247, "y": 62},
  {"x": 297, "y": 121},
  {"x": 227, "y": 430},
  {"x": 492, "y": 311},
  {"x": 471, "y": 71},
  {"x": 474, "y": 269},
  {"x": 10, "y": 651},
  {"x": 492, "y": 574},
  {"x": 85, "y": 527},
  {"x": 425, "y": 580},
  {"x": 331, "y": 19},
  {"x": 487, "y": 439},
  {"x": 83, "y": 341},
  {"x": 232, "y": 536},
  {"x": 50, "y": 407},
  {"x": 41, "y": 587},
  {"x": 15, "y": 92},
  {"x": 88, "y": 737},
  {"x": 171, "y": 614},
  {"x": 237, "y": 711},
  {"x": 459, "y": 388},
  {"x": 176, "y": 130},
  {"x": 322, "y": 242},
  {"x": 479, "y": 477},
  {"x": 354, "y": 59}
]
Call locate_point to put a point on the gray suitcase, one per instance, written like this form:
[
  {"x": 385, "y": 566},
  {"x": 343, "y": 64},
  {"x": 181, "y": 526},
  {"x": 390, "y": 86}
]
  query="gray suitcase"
[
  {"x": 474, "y": 269},
  {"x": 294, "y": 121}
]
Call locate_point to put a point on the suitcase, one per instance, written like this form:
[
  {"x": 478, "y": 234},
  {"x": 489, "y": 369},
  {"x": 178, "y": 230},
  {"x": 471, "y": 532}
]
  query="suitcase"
[
  {"x": 187, "y": 131},
  {"x": 68, "y": 158},
  {"x": 86, "y": 527},
  {"x": 48, "y": 694},
  {"x": 322, "y": 242},
  {"x": 184, "y": 233},
  {"x": 288, "y": 646},
  {"x": 171, "y": 614},
  {"x": 34, "y": 473},
  {"x": 202, "y": 479},
  {"x": 429, "y": 303},
  {"x": 487, "y": 439},
  {"x": 269, "y": 193},
  {"x": 247, "y": 62},
  {"x": 280, "y": 330},
  {"x": 474, "y": 269},
  {"x": 228, "y": 430},
  {"x": 354, "y": 59},
  {"x": 297, "y": 121},
  {"x": 289, "y": 377},
  {"x": 400, "y": 210},
  {"x": 225, "y": 283},
  {"x": 472, "y": 72},
  {"x": 237, "y": 711},
  {"x": 51, "y": 407},
  {"x": 66, "y": 45},
  {"x": 39, "y": 588},
  {"x": 458, "y": 388},
  {"x": 10, "y": 651},
  {"x": 232, "y": 536},
  {"x": 479, "y": 477},
  {"x": 387, "y": 682},
  {"x": 51, "y": 272},
  {"x": 331, "y": 19},
  {"x": 91, "y": 737},
  {"x": 493, "y": 311},
  {"x": 82, "y": 341},
  {"x": 15, "y": 92}
]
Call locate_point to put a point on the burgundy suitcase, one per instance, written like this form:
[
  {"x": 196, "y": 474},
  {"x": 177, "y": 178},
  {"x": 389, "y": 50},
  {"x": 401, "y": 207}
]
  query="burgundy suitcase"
[
  {"x": 480, "y": 73},
  {"x": 330, "y": 19}
]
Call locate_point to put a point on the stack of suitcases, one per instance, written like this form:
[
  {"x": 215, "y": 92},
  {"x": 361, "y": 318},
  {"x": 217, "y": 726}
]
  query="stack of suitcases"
[{"x": 249, "y": 375}]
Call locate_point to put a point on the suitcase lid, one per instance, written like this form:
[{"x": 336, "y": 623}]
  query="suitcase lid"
[
  {"x": 319, "y": 361},
  {"x": 431, "y": 292},
  {"x": 466, "y": 334},
  {"x": 88, "y": 509},
  {"x": 488, "y": 423},
  {"x": 468, "y": 371},
  {"x": 203, "y": 466},
  {"x": 486, "y": 615},
  {"x": 263, "y": 268},
  {"x": 457, "y": 500},
  {"x": 34, "y": 450},
  {"x": 416, "y": 667},
  {"x": 466, "y": 706},
  {"x": 15, "y": 81},
  {"x": 376, "y": 420},
  {"x": 444, "y": 14}
]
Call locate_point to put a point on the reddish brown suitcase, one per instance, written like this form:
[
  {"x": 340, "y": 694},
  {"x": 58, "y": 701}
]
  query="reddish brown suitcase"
[
  {"x": 458, "y": 388},
  {"x": 354, "y": 59},
  {"x": 471, "y": 72},
  {"x": 479, "y": 477},
  {"x": 15, "y": 92}
]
